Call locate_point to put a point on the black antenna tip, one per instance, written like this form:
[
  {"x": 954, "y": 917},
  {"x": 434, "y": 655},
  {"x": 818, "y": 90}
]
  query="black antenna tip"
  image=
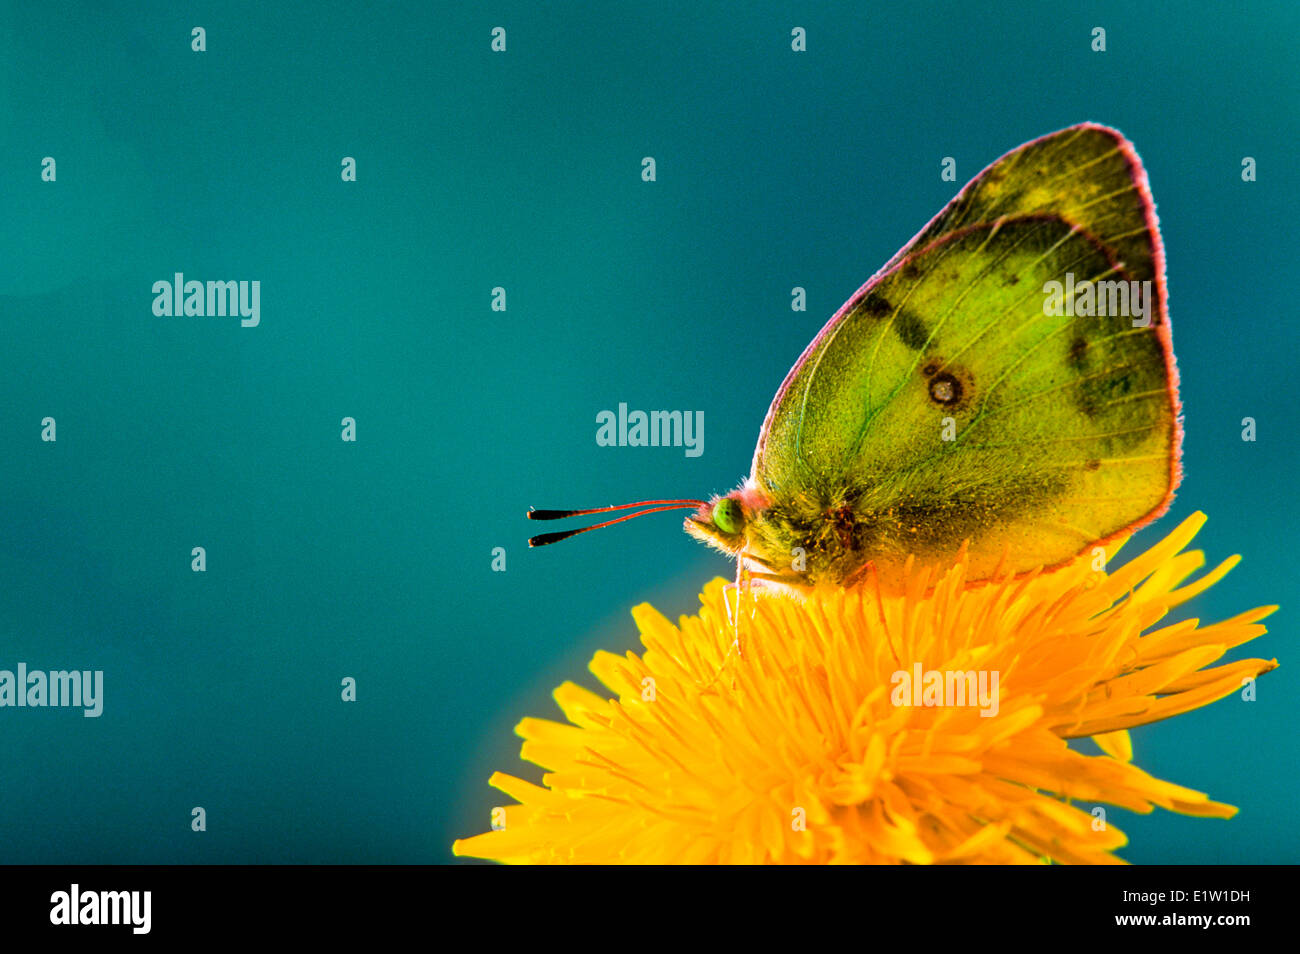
[
  {"x": 550, "y": 514},
  {"x": 542, "y": 539}
]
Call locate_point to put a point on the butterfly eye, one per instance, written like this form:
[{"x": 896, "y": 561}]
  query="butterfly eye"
[{"x": 727, "y": 515}]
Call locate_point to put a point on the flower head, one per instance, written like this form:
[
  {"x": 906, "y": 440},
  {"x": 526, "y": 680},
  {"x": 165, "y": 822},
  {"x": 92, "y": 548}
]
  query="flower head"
[{"x": 828, "y": 739}]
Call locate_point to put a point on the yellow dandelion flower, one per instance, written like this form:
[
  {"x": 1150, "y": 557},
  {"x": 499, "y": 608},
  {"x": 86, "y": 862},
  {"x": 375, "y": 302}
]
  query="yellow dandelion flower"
[{"x": 811, "y": 748}]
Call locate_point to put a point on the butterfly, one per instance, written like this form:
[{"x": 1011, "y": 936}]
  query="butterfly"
[{"x": 1004, "y": 386}]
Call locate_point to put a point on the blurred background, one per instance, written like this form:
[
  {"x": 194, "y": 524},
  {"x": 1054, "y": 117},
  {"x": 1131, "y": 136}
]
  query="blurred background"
[{"x": 522, "y": 170}]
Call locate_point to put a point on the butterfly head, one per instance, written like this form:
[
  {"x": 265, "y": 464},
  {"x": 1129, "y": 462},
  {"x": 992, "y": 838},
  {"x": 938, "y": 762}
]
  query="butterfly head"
[
  {"x": 720, "y": 522},
  {"x": 729, "y": 522}
]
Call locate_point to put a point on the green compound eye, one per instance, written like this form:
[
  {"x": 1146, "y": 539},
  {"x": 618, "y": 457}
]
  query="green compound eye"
[{"x": 727, "y": 515}]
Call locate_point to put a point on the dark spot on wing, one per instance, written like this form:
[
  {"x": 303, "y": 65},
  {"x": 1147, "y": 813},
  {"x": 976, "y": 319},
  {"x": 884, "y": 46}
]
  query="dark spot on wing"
[
  {"x": 1119, "y": 421},
  {"x": 910, "y": 329},
  {"x": 1092, "y": 465},
  {"x": 1078, "y": 352},
  {"x": 945, "y": 389},
  {"x": 877, "y": 306}
]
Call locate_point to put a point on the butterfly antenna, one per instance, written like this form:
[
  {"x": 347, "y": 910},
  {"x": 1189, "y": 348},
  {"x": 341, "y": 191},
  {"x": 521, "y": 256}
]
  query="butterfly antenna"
[{"x": 654, "y": 506}]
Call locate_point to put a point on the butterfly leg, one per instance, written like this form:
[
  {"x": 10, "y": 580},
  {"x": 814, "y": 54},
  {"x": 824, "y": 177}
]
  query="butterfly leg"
[
  {"x": 732, "y": 615},
  {"x": 739, "y": 587},
  {"x": 733, "y": 620},
  {"x": 726, "y": 660}
]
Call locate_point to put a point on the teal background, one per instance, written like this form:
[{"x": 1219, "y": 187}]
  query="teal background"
[{"x": 522, "y": 169}]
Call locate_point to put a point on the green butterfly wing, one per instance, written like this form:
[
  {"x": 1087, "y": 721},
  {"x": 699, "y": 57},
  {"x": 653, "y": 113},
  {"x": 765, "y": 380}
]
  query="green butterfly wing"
[{"x": 946, "y": 403}]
